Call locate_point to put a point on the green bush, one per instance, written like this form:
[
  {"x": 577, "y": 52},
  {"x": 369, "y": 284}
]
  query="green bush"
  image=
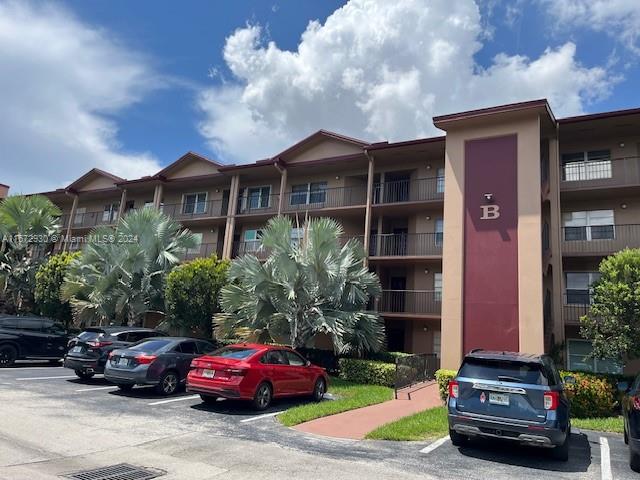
[
  {"x": 386, "y": 357},
  {"x": 442, "y": 377},
  {"x": 592, "y": 395},
  {"x": 367, "y": 371},
  {"x": 49, "y": 278}
]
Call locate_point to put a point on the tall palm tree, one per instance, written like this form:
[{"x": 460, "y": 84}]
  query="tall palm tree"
[
  {"x": 28, "y": 225},
  {"x": 307, "y": 286},
  {"x": 121, "y": 272}
]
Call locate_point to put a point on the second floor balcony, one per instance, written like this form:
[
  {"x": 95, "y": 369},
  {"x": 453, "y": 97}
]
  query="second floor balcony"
[
  {"x": 401, "y": 191},
  {"x": 414, "y": 302},
  {"x": 250, "y": 247},
  {"x": 597, "y": 240},
  {"x": 405, "y": 245},
  {"x": 320, "y": 198},
  {"x": 194, "y": 211},
  {"x": 84, "y": 219},
  {"x": 575, "y": 305},
  {"x": 204, "y": 250}
]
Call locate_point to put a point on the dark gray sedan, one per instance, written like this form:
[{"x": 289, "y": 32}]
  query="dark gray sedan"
[{"x": 160, "y": 361}]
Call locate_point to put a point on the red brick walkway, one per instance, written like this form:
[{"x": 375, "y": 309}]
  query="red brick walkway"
[{"x": 356, "y": 424}]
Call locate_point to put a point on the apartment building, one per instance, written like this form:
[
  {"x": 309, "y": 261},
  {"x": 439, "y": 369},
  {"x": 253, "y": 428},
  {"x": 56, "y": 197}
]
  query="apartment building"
[
  {"x": 488, "y": 237},
  {"x": 4, "y": 191}
]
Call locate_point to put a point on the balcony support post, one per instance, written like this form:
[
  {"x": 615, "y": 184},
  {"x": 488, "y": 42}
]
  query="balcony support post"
[
  {"x": 227, "y": 246},
  {"x": 556, "y": 239},
  {"x": 379, "y": 235},
  {"x": 123, "y": 201},
  {"x": 157, "y": 196},
  {"x": 74, "y": 207},
  {"x": 283, "y": 186},
  {"x": 367, "y": 215}
]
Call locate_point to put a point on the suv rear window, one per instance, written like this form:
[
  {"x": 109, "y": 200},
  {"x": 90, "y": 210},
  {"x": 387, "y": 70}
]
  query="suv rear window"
[
  {"x": 504, "y": 370},
  {"x": 90, "y": 335},
  {"x": 150, "y": 346},
  {"x": 234, "y": 352}
]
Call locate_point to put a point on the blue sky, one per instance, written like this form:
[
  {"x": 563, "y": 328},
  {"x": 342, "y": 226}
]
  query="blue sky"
[{"x": 131, "y": 86}]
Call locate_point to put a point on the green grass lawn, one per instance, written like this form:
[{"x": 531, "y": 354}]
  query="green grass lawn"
[
  {"x": 430, "y": 423},
  {"x": 349, "y": 396},
  {"x": 606, "y": 424}
]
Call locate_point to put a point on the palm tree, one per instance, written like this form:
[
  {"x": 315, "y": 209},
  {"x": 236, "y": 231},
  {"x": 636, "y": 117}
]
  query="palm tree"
[
  {"x": 28, "y": 225},
  {"x": 121, "y": 272},
  {"x": 306, "y": 287}
]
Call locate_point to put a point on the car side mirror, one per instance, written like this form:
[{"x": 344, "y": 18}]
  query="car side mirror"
[
  {"x": 307, "y": 363},
  {"x": 569, "y": 380},
  {"x": 623, "y": 386}
]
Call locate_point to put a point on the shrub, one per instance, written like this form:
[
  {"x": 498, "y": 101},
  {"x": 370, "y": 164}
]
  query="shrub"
[
  {"x": 49, "y": 278},
  {"x": 442, "y": 377},
  {"x": 592, "y": 395},
  {"x": 367, "y": 371}
]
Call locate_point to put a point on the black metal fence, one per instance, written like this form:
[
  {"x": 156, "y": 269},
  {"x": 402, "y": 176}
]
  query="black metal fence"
[{"x": 414, "y": 369}]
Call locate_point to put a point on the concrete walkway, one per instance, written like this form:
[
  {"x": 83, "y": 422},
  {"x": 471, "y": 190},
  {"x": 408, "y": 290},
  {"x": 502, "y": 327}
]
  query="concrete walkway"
[{"x": 355, "y": 424}]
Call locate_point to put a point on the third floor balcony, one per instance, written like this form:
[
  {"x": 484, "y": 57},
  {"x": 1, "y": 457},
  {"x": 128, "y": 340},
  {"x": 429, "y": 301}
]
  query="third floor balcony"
[
  {"x": 599, "y": 240},
  {"x": 402, "y": 191},
  {"x": 405, "y": 245},
  {"x": 601, "y": 172},
  {"x": 325, "y": 198}
]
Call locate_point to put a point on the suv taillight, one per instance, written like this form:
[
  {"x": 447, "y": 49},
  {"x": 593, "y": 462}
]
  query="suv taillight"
[
  {"x": 99, "y": 344},
  {"x": 551, "y": 400},
  {"x": 453, "y": 388}
]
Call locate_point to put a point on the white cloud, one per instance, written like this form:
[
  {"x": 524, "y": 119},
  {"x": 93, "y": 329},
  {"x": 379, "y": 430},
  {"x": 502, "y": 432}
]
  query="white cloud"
[
  {"x": 378, "y": 70},
  {"x": 60, "y": 81},
  {"x": 619, "y": 19}
]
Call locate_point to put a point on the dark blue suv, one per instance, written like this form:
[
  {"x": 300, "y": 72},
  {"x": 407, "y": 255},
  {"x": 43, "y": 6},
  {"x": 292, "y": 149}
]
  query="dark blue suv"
[{"x": 512, "y": 396}]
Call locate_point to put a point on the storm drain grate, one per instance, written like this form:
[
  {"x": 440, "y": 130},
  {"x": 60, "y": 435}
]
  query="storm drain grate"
[{"x": 122, "y": 471}]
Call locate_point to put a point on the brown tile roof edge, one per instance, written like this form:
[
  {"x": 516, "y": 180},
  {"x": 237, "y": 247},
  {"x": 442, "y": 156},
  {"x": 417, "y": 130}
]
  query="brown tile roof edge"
[
  {"x": 405, "y": 143},
  {"x": 510, "y": 107},
  {"x": 321, "y": 133},
  {"x": 599, "y": 116}
]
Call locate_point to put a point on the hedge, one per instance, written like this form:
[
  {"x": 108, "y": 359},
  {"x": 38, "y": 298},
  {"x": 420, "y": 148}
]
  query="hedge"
[
  {"x": 442, "y": 377},
  {"x": 367, "y": 371}
]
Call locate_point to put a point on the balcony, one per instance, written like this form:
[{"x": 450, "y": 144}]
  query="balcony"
[
  {"x": 91, "y": 219},
  {"x": 401, "y": 191},
  {"x": 325, "y": 198},
  {"x": 204, "y": 251},
  {"x": 194, "y": 211},
  {"x": 615, "y": 172},
  {"x": 412, "y": 302},
  {"x": 258, "y": 204},
  {"x": 574, "y": 306},
  {"x": 251, "y": 247},
  {"x": 405, "y": 245},
  {"x": 599, "y": 240}
]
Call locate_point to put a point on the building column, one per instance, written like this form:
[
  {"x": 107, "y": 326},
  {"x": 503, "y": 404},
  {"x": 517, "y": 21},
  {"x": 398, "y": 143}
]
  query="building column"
[
  {"x": 367, "y": 215},
  {"x": 379, "y": 239},
  {"x": 227, "y": 245},
  {"x": 555, "y": 231},
  {"x": 283, "y": 187},
  {"x": 157, "y": 196},
  {"x": 123, "y": 201},
  {"x": 74, "y": 207}
]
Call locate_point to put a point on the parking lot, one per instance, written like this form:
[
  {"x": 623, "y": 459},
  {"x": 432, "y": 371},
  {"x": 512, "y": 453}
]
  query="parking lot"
[{"x": 53, "y": 423}]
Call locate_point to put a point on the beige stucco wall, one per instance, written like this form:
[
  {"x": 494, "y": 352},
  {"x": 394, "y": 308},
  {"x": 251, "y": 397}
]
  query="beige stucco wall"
[
  {"x": 192, "y": 168},
  {"x": 96, "y": 183},
  {"x": 326, "y": 148}
]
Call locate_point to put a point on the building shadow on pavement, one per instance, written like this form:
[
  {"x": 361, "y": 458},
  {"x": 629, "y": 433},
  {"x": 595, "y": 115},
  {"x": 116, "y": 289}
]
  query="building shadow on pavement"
[{"x": 245, "y": 408}]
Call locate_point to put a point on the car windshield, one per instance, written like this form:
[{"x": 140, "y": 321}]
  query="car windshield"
[
  {"x": 90, "y": 335},
  {"x": 234, "y": 352},
  {"x": 503, "y": 370},
  {"x": 150, "y": 346}
]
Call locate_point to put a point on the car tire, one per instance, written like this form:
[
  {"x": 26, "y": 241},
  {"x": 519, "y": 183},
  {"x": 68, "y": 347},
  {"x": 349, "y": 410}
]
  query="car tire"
[
  {"x": 209, "y": 399},
  {"x": 319, "y": 389},
  {"x": 561, "y": 452},
  {"x": 634, "y": 460},
  {"x": 263, "y": 396},
  {"x": 84, "y": 375},
  {"x": 168, "y": 384},
  {"x": 8, "y": 355},
  {"x": 125, "y": 387},
  {"x": 457, "y": 439}
]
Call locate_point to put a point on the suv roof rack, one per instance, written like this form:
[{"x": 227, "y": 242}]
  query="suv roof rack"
[{"x": 476, "y": 350}]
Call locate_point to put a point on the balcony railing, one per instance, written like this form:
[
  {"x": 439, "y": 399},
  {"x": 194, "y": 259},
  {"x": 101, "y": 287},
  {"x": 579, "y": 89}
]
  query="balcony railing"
[
  {"x": 190, "y": 211},
  {"x": 399, "y": 191},
  {"x": 326, "y": 198},
  {"x": 255, "y": 205},
  {"x": 251, "y": 247},
  {"x": 410, "y": 301},
  {"x": 599, "y": 239},
  {"x": 616, "y": 172},
  {"x": 574, "y": 306},
  {"x": 91, "y": 219},
  {"x": 205, "y": 250},
  {"x": 405, "y": 244}
]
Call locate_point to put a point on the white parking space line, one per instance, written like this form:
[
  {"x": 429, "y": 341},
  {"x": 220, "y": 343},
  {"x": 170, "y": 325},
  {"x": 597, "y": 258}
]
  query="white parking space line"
[
  {"x": 434, "y": 445},
  {"x": 109, "y": 387},
  {"x": 179, "y": 399},
  {"x": 605, "y": 459},
  {"x": 46, "y": 378},
  {"x": 259, "y": 417}
]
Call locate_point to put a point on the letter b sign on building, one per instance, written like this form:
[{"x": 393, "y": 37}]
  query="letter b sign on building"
[{"x": 490, "y": 212}]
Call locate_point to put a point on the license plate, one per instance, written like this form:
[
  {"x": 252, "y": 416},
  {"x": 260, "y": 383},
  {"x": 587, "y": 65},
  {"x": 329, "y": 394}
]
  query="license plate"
[
  {"x": 123, "y": 362},
  {"x": 499, "y": 398},
  {"x": 208, "y": 373},
  {"x": 77, "y": 349}
]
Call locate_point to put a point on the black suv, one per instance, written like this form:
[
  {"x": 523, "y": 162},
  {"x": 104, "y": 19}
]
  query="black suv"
[
  {"x": 31, "y": 338},
  {"x": 88, "y": 352}
]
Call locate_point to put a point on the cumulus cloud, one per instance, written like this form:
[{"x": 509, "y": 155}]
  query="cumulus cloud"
[
  {"x": 619, "y": 19},
  {"x": 378, "y": 70},
  {"x": 61, "y": 82}
]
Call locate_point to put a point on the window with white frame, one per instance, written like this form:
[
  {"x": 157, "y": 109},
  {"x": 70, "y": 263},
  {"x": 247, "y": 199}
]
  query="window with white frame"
[
  {"x": 440, "y": 181},
  {"x": 439, "y": 231},
  {"x": 579, "y": 359},
  {"x": 437, "y": 343},
  {"x": 588, "y": 225},
  {"x": 255, "y": 197},
  {"x": 194, "y": 203},
  {"x": 296, "y": 236},
  {"x": 437, "y": 286},
  {"x": 579, "y": 287},
  {"x": 252, "y": 240},
  {"x": 79, "y": 216},
  {"x": 110, "y": 212},
  {"x": 307, "y": 193},
  {"x": 591, "y": 165}
]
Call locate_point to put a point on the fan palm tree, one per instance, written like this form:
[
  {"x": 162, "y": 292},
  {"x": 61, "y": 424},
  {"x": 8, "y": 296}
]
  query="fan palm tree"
[
  {"x": 27, "y": 227},
  {"x": 121, "y": 272},
  {"x": 308, "y": 286}
]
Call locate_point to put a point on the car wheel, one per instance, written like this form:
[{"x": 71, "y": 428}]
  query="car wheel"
[
  {"x": 168, "y": 383},
  {"x": 125, "y": 387},
  {"x": 84, "y": 375},
  {"x": 263, "y": 396},
  {"x": 209, "y": 399},
  {"x": 8, "y": 355},
  {"x": 561, "y": 452},
  {"x": 319, "y": 389},
  {"x": 457, "y": 439}
]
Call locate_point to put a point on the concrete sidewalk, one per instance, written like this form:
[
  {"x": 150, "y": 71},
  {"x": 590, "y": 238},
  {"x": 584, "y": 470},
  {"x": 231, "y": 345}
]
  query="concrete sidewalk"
[{"x": 355, "y": 424}]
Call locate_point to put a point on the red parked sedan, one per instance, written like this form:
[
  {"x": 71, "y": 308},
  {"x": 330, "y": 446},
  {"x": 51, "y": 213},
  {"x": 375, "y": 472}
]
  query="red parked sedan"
[{"x": 255, "y": 372}]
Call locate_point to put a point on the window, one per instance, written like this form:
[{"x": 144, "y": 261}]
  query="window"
[
  {"x": 589, "y": 225},
  {"x": 195, "y": 250},
  {"x": 194, "y": 204},
  {"x": 148, "y": 204},
  {"x": 439, "y": 232},
  {"x": 252, "y": 240},
  {"x": 137, "y": 336},
  {"x": 110, "y": 213},
  {"x": 578, "y": 359},
  {"x": 188, "y": 347},
  {"x": 256, "y": 197},
  {"x": 130, "y": 205},
  {"x": 308, "y": 193},
  {"x": 437, "y": 286},
  {"x": 578, "y": 285},
  {"x": 510, "y": 370},
  {"x": 79, "y": 217},
  {"x": 30, "y": 324},
  {"x": 294, "y": 359},
  {"x": 205, "y": 347},
  {"x": 296, "y": 236},
  {"x": 151, "y": 346},
  {"x": 274, "y": 357},
  {"x": 440, "y": 181},
  {"x": 591, "y": 165},
  {"x": 239, "y": 353},
  {"x": 436, "y": 343}
]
